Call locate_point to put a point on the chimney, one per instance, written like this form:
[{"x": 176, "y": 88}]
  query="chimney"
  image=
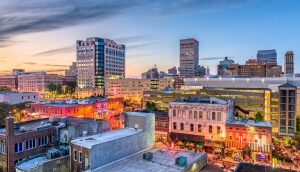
[{"x": 10, "y": 131}]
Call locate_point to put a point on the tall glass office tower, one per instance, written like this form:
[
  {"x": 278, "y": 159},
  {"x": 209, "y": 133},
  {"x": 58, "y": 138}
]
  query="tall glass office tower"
[
  {"x": 189, "y": 57},
  {"x": 267, "y": 56},
  {"x": 97, "y": 59}
]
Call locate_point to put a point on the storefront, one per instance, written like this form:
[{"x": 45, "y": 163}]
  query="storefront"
[{"x": 187, "y": 140}]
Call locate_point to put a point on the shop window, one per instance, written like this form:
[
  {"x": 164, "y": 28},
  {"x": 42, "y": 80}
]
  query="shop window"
[{"x": 191, "y": 127}]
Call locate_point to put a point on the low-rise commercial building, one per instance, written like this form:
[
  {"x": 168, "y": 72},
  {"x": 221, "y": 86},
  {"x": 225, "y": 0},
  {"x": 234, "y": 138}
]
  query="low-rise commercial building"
[
  {"x": 19, "y": 97},
  {"x": 10, "y": 81},
  {"x": 200, "y": 121},
  {"x": 92, "y": 152},
  {"x": 161, "y": 160},
  {"x": 161, "y": 126},
  {"x": 248, "y": 137}
]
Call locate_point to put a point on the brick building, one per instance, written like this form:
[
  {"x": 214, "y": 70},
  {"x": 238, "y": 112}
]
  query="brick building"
[
  {"x": 19, "y": 144},
  {"x": 256, "y": 135},
  {"x": 11, "y": 81},
  {"x": 161, "y": 126}
]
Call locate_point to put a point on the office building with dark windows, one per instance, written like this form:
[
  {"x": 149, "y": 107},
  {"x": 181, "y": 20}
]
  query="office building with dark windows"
[
  {"x": 189, "y": 57},
  {"x": 267, "y": 56},
  {"x": 97, "y": 59},
  {"x": 289, "y": 62}
]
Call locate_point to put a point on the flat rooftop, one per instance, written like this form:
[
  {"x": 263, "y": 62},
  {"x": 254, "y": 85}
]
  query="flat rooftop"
[
  {"x": 30, "y": 164},
  {"x": 250, "y": 123},
  {"x": 89, "y": 141},
  {"x": 163, "y": 161},
  {"x": 140, "y": 113}
]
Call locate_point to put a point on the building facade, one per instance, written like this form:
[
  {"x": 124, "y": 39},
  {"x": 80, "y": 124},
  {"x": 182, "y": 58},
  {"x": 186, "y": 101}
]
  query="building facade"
[
  {"x": 137, "y": 135},
  {"x": 256, "y": 135},
  {"x": 97, "y": 59},
  {"x": 288, "y": 109},
  {"x": 19, "y": 97},
  {"x": 17, "y": 145},
  {"x": 189, "y": 57},
  {"x": 161, "y": 126},
  {"x": 10, "y": 81},
  {"x": 267, "y": 56},
  {"x": 38, "y": 82},
  {"x": 200, "y": 120},
  {"x": 289, "y": 62}
]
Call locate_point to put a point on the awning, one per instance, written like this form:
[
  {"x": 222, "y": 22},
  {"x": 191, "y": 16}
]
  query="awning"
[
  {"x": 260, "y": 148},
  {"x": 187, "y": 137},
  {"x": 212, "y": 145}
]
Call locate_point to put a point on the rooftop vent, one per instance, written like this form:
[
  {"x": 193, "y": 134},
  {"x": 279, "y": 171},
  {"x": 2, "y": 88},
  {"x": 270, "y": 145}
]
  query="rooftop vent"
[
  {"x": 148, "y": 156},
  {"x": 181, "y": 161},
  {"x": 84, "y": 133}
]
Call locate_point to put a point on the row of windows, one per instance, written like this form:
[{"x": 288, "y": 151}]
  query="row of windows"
[
  {"x": 114, "y": 58},
  {"x": 75, "y": 156},
  {"x": 182, "y": 113},
  {"x": 2, "y": 148},
  {"x": 115, "y": 52},
  {"x": 192, "y": 127},
  {"x": 31, "y": 144}
]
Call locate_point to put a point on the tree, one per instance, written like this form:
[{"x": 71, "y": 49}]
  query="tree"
[
  {"x": 5, "y": 88},
  {"x": 298, "y": 123},
  {"x": 5, "y": 108},
  {"x": 71, "y": 87},
  {"x": 259, "y": 117},
  {"x": 151, "y": 106}
]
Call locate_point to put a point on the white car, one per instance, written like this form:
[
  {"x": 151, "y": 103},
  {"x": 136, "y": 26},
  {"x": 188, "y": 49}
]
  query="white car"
[{"x": 220, "y": 166}]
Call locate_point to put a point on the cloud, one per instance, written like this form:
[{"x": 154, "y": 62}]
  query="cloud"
[
  {"x": 56, "y": 51},
  {"x": 199, "y": 6},
  {"x": 49, "y": 65},
  {"x": 55, "y": 70},
  {"x": 20, "y": 17}
]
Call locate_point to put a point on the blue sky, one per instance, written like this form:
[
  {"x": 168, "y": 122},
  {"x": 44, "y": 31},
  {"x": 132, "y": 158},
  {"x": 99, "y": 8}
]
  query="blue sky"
[{"x": 41, "y": 35}]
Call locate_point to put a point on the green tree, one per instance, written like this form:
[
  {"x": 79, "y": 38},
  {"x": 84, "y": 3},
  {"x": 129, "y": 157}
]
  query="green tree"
[
  {"x": 58, "y": 89},
  {"x": 298, "y": 123},
  {"x": 5, "y": 108},
  {"x": 148, "y": 106},
  {"x": 259, "y": 117},
  {"x": 5, "y": 88}
]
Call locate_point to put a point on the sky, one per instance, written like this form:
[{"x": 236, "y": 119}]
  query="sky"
[{"x": 38, "y": 35}]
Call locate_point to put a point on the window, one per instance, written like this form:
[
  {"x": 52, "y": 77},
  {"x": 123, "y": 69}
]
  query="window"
[
  {"x": 19, "y": 147},
  {"x": 207, "y": 115},
  {"x": 80, "y": 156},
  {"x": 183, "y": 113},
  {"x": 218, "y": 129},
  {"x": 190, "y": 114},
  {"x": 174, "y": 125},
  {"x": 219, "y": 116},
  {"x": 210, "y": 129},
  {"x": 200, "y": 114},
  {"x": 174, "y": 113},
  {"x": 75, "y": 155},
  {"x": 178, "y": 112},
  {"x": 2, "y": 148},
  {"x": 192, "y": 127},
  {"x": 181, "y": 126},
  {"x": 43, "y": 140},
  {"x": 213, "y": 116},
  {"x": 195, "y": 114},
  {"x": 199, "y": 128},
  {"x": 30, "y": 144}
]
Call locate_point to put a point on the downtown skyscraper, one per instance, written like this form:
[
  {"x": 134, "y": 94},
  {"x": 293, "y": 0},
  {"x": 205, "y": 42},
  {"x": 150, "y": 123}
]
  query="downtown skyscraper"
[
  {"x": 98, "y": 59},
  {"x": 289, "y": 62},
  {"x": 267, "y": 56},
  {"x": 189, "y": 57}
]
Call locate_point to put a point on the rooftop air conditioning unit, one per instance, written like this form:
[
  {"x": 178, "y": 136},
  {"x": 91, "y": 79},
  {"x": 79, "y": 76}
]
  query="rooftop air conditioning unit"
[{"x": 148, "y": 156}]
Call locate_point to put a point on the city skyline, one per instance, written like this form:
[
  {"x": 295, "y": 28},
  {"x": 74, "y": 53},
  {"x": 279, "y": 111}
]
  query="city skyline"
[{"x": 42, "y": 35}]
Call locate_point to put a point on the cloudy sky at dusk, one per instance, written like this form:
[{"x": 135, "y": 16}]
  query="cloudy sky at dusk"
[{"x": 41, "y": 35}]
